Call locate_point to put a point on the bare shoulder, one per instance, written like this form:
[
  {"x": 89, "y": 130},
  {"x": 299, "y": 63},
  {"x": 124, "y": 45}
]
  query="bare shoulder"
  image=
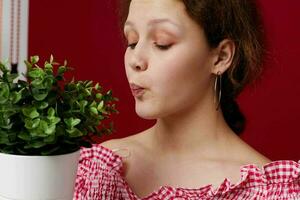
[
  {"x": 129, "y": 142},
  {"x": 113, "y": 143},
  {"x": 246, "y": 153},
  {"x": 254, "y": 156},
  {"x": 129, "y": 148},
  {"x": 259, "y": 159}
]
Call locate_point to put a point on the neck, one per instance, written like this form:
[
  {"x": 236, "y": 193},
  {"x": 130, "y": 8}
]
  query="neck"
[{"x": 201, "y": 129}]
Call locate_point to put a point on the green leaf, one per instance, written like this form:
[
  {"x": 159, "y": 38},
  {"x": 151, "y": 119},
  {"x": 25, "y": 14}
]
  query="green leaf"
[
  {"x": 87, "y": 92},
  {"x": 51, "y": 112},
  {"x": 62, "y": 70},
  {"x": 48, "y": 82},
  {"x": 3, "y": 138},
  {"x": 37, "y": 82},
  {"x": 48, "y": 66},
  {"x": 109, "y": 93},
  {"x": 93, "y": 104},
  {"x": 39, "y": 94},
  {"x": 97, "y": 86},
  {"x": 15, "y": 96},
  {"x": 3, "y": 67},
  {"x": 34, "y": 59},
  {"x": 100, "y": 106},
  {"x": 99, "y": 95},
  {"x": 43, "y": 126},
  {"x": 41, "y": 105},
  {"x": 4, "y": 92},
  {"x": 40, "y": 97},
  {"x": 71, "y": 122},
  {"x": 82, "y": 105},
  {"x": 12, "y": 135},
  {"x": 75, "y": 122},
  {"x": 94, "y": 110},
  {"x": 34, "y": 133},
  {"x": 32, "y": 123},
  {"x": 28, "y": 65},
  {"x": 11, "y": 77},
  {"x": 88, "y": 83},
  {"x": 35, "y": 144},
  {"x": 5, "y": 122},
  {"x": 54, "y": 120},
  {"x": 7, "y": 126},
  {"x": 36, "y": 73},
  {"x": 24, "y": 136},
  {"x": 74, "y": 132},
  {"x": 50, "y": 139},
  {"x": 30, "y": 112},
  {"x": 50, "y": 129}
]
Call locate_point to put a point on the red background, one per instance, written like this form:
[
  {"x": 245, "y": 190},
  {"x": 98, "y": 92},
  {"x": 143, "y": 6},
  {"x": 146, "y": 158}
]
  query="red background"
[{"x": 86, "y": 33}]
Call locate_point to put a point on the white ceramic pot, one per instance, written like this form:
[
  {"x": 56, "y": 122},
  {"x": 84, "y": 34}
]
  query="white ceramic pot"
[{"x": 38, "y": 177}]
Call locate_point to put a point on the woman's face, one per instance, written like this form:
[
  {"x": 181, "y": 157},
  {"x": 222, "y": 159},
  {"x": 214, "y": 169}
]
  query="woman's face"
[{"x": 168, "y": 61}]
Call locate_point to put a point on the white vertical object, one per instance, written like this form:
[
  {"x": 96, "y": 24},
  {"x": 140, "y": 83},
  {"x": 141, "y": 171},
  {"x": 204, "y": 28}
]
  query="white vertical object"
[
  {"x": 38, "y": 177},
  {"x": 14, "y": 16}
]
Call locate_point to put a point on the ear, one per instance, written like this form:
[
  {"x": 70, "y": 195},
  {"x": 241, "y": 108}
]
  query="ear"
[{"x": 223, "y": 56}]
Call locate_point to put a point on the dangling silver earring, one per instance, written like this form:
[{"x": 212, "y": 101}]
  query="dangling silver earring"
[{"x": 218, "y": 94}]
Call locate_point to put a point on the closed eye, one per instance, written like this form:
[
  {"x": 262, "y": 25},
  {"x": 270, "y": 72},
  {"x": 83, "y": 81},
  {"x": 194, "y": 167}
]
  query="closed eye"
[
  {"x": 132, "y": 45},
  {"x": 163, "y": 47}
]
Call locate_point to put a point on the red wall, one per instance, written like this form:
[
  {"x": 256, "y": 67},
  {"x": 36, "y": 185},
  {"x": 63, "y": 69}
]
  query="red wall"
[{"x": 86, "y": 33}]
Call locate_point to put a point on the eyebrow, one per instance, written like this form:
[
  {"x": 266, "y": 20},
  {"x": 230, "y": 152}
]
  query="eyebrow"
[{"x": 154, "y": 21}]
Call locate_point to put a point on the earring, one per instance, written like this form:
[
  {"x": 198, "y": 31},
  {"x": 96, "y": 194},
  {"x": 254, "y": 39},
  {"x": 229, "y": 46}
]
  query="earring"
[{"x": 218, "y": 86}]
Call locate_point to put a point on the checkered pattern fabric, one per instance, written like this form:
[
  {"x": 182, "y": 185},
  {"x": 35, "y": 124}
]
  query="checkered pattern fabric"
[{"x": 99, "y": 177}]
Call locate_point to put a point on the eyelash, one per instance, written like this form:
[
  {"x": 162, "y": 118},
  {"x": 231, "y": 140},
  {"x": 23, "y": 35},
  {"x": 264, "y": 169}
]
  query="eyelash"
[
  {"x": 161, "y": 47},
  {"x": 164, "y": 47},
  {"x": 131, "y": 46}
]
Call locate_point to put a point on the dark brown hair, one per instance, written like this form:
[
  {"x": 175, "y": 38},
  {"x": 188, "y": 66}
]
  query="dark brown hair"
[{"x": 239, "y": 21}]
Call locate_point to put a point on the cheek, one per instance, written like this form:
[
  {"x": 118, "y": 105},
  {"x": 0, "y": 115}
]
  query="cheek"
[
  {"x": 126, "y": 63},
  {"x": 182, "y": 72}
]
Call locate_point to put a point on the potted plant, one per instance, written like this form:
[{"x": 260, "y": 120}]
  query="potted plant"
[{"x": 43, "y": 123}]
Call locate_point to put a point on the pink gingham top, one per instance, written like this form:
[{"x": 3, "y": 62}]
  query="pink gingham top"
[{"x": 99, "y": 177}]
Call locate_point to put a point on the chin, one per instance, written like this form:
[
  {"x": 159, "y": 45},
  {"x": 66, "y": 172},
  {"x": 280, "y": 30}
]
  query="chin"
[
  {"x": 152, "y": 113},
  {"x": 147, "y": 113}
]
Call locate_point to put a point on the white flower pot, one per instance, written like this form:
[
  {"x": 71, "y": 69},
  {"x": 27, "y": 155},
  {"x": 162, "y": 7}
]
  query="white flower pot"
[{"x": 38, "y": 177}]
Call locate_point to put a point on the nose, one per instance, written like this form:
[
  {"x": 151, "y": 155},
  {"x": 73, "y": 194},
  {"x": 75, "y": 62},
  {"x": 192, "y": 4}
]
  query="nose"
[
  {"x": 139, "y": 66},
  {"x": 138, "y": 60}
]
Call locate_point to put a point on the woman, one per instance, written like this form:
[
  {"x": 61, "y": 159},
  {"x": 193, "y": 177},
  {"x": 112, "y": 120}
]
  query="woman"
[{"x": 186, "y": 62}]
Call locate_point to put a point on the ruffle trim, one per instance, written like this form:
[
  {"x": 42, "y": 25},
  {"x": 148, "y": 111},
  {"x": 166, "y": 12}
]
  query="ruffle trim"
[
  {"x": 102, "y": 158},
  {"x": 276, "y": 172}
]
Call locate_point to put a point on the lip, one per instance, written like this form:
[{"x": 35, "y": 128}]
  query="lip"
[{"x": 137, "y": 90}]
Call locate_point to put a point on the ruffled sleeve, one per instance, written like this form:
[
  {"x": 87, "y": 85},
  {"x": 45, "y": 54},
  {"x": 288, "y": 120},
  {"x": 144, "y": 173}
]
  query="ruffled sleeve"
[
  {"x": 97, "y": 174},
  {"x": 276, "y": 180},
  {"x": 283, "y": 180}
]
